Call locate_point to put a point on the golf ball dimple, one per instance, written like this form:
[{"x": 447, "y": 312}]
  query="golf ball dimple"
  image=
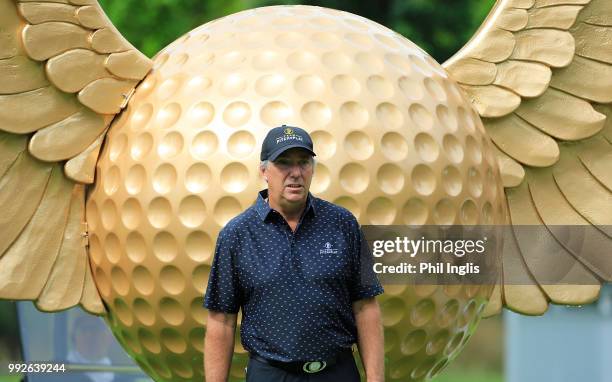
[{"x": 396, "y": 140}]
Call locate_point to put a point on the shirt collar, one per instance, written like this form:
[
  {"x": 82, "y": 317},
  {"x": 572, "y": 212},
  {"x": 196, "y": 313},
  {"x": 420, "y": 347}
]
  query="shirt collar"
[{"x": 263, "y": 208}]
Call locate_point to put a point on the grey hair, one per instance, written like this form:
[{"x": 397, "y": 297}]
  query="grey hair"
[{"x": 263, "y": 165}]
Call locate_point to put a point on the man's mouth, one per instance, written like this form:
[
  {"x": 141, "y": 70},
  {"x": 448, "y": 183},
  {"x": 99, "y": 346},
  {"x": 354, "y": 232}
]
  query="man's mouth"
[{"x": 294, "y": 186}]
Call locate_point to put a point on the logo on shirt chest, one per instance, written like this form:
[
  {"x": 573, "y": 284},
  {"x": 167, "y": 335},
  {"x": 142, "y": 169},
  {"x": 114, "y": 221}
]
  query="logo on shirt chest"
[{"x": 328, "y": 249}]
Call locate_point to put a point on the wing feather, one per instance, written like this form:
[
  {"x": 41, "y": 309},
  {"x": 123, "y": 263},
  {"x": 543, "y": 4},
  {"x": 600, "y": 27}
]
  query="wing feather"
[
  {"x": 106, "y": 40},
  {"x": 58, "y": 56},
  {"x": 43, "y": 41},
  {"x": 562, "y": 116},
  {"x": 66, "y": 73},
  {"x": 30, "y": 178},
  {"x": 90, "y": 299},
  {"x": 526, "y": 299},
  {"x": 607, "y": 111},
  {"x": 552, "y": 207},
  {"x": 26, "y": 112},
  {"x": 504, "y": 100},
  {"x": 513, "y": 19},
  {"x": 476, "y": 72},
  {"x": 73, "y": 70},
  {"x": 593, "y": 42},
  {"x": 520, "y": 292},
  {"x": 526, "y": 79},
  {"x": 11, "y": 146},
  {"x": 129, "y": 65},
  {"x": 575, "y": 181},
  {"x": 525, "y": 4},
  {"x": 523, "y": 142},
  {"x": 69, "y": 137},
  {"x": 91, "y": 17},
  {"x": 580, "y": 283},
  {"x": 64, "y": 286},
  {"x": 10, "y": 44},
  {"x": 81, "y": 167},
  {"x": 596, "y": 156},
  {"x": 495, "y": 303},
  {"x": 552, "y": 47},
  {"x": 561, "y": 17},
  {"x": 597, "y": 13},
  {"x": 587, "y": 79},
  {"x": 48, "y": 1},
  {"x": 106, "y": 95},
  {"x": 500, "y": 44},
  {"x": 20, "y": 74},
  {"x": 512, "y": 172},
  {"x": 36, "y": 13},
  {"x": 23, "y": 272},
  {"x": 550, "y": 3},
  {"x": 559, "y": 134},
  {"x": 81, "y": 2}
]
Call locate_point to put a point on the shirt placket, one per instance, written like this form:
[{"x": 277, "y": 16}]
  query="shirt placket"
[{"x": 292, "y": 240}]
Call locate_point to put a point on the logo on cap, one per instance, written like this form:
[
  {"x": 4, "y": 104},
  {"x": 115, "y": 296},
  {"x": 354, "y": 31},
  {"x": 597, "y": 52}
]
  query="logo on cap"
[
  {"x": 289, "y": 134},
  {"x": 282, "y": 138}
]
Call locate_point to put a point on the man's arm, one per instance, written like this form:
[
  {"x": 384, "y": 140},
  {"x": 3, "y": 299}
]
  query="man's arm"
[
  {"x": 370, "y": 338},
  {"x": 219, "y": 345}
]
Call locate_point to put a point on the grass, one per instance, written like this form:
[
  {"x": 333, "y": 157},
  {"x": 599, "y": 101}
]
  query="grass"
[
  {"x": 469, "y": 377},
  {"x": 12, "y": 378}
]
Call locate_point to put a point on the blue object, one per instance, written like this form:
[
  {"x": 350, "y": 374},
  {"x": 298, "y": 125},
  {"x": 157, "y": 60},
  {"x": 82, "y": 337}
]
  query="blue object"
[
  {"x": 282, "y": 138},
  {"x": 296, "y": 289},
  {"x": 567, "y": 344}
]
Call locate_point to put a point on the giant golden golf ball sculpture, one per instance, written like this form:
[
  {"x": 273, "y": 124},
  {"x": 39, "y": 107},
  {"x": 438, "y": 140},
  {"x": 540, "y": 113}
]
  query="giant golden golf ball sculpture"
[{"x": 399, "y": 141}]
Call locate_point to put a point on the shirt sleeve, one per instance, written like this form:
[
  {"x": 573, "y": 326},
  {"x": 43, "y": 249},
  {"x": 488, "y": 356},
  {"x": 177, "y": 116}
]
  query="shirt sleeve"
[
  {"x": 364, "y": 282},
  {"x": 222, "y": 292}
]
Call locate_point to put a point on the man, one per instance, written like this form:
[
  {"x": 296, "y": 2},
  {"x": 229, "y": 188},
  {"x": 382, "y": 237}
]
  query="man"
[{"x": 293, "y": 264}]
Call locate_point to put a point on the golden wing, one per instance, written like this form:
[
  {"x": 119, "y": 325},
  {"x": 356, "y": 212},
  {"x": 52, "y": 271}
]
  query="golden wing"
[
  {"x": 66, "y": 72},
  {"x": 539, "y": 72}
]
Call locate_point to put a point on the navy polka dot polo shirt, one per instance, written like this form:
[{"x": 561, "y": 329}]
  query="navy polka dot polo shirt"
[{"x": 295, "y": 289}]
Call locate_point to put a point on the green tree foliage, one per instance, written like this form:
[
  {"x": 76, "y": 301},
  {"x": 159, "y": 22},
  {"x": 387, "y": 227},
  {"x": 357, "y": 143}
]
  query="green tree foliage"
[
  {"x": 9, "y": 334},
  {"x": 440, "y": 27},
  {"x": 152, "y": 24}
]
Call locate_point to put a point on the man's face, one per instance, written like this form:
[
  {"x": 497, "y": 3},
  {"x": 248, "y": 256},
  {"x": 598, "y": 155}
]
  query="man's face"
[{"x": 289, "y": 176}]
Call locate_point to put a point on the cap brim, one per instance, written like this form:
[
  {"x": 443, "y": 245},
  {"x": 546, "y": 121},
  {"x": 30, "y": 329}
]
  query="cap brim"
[{"x": 278, "y": 152}]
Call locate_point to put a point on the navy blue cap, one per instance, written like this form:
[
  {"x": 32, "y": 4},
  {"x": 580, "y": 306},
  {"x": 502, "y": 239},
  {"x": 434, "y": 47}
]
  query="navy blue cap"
[{"x": 282, "y": 138}]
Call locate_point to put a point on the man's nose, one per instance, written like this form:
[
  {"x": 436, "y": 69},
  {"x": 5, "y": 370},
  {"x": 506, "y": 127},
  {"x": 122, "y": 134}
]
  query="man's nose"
[{"x": 295, "y": 170}]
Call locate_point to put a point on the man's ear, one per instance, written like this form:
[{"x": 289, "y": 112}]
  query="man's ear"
[{"x": 262, "y": 173}]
